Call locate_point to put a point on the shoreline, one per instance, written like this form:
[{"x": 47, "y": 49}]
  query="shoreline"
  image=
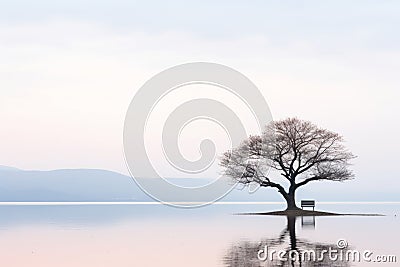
[{"x": 298, "y": 213}]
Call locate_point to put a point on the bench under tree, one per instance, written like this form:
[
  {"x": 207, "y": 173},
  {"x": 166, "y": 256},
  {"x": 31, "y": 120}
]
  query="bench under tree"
[{"x": 308, "y": 204}]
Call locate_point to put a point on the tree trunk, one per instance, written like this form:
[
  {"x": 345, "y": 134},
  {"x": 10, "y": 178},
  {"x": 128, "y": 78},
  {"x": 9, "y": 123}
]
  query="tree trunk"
[{"x": 291, "y": 200}]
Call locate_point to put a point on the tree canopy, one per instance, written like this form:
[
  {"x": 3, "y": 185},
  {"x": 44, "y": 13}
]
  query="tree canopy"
[{"x": 299, "y": 150}]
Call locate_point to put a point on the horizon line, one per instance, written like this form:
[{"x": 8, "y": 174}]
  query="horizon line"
[{"x": 78, "y": 203}]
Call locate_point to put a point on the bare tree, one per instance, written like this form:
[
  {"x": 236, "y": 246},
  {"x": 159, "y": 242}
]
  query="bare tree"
[{"x": 299, "y": 150}]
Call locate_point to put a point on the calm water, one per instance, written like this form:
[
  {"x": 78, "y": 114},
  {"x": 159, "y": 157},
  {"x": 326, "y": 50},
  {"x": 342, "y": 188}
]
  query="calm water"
[{"x": 157, "y": 235}]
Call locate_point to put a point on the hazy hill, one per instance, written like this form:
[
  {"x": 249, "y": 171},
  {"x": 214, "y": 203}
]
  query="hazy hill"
[
  {"x": 102, "y": 185},
  {"x": 67, "y": 185}
]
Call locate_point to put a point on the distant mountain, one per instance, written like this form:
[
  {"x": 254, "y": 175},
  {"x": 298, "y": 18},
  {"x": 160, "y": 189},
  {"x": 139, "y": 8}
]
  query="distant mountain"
[
  {"x": 6, "y": 168},
  {"x": 102, "y": 185},
  {"x": 67, "y": 185},
  {"x": 88, "y": 185}
]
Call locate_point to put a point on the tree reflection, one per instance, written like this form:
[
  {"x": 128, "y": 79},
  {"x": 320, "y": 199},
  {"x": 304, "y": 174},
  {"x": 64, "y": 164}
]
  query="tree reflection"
[{"x": 246, "y": 253}]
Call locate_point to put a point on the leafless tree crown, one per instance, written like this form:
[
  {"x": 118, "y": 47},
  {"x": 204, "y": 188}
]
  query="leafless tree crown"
[{"x": 299, "y": 150}]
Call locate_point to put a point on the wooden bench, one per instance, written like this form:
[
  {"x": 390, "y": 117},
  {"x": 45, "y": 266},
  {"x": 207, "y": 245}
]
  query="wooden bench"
[{"x": 308, "y": 203}]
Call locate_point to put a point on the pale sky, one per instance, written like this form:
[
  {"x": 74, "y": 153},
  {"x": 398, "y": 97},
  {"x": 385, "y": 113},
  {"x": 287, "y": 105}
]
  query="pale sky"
[{"x": 69, "y": 70}]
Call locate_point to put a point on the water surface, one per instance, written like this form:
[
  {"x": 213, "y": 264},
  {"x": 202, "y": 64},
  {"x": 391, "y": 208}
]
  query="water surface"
[{"x": 158, "y": 235}]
